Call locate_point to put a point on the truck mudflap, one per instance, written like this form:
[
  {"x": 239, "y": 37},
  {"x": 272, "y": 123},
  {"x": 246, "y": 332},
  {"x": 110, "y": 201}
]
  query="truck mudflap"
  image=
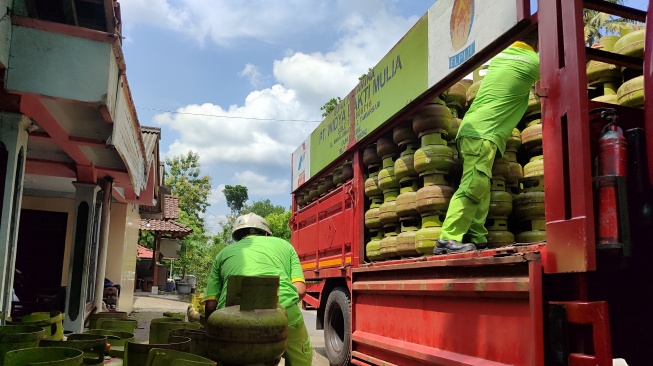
[{"x": 465, "y": 311}]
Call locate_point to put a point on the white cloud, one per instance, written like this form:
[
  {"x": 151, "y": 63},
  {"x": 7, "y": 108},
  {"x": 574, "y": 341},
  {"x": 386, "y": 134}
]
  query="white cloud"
[
  {"x": 318, "y": 77},
  {"x": 233, "y": 137},
  {"x": 216, "y": 196},
  {"x": 213, "y": 223},
  {"x": 235, "y": 146},
  {"x": 253, "y": 74},
  {"x": 224, "y": 21},
  {"x": 260, "y": 185}
]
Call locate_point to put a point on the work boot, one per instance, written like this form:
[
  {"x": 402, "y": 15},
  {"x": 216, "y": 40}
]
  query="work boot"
[{"x": 452, "y": 246}]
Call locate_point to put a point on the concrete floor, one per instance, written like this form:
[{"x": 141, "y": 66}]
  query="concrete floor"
[{"x": 148, "y": 307}]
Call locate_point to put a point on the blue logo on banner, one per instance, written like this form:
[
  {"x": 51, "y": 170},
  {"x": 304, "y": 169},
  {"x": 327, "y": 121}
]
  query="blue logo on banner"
[{"x": 462, "y": 56}]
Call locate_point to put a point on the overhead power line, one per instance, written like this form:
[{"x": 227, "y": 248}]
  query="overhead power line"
[{"x": 227, "y": 117}]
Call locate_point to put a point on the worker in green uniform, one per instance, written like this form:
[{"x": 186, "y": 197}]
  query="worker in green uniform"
[
  {"x": 499, "y": 105},
  {"x": 257, "y": 253}
]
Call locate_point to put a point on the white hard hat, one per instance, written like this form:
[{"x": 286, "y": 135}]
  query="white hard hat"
[{"x": 250, "y": 223}]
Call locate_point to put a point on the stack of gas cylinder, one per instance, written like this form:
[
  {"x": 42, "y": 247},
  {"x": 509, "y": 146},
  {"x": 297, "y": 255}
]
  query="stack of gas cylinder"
[
  {"x": 412, "y": 175},
  {"x": 325, "y": 185},
  {"x": 407, "y": 187},
  {"x": 618, "y": 85},
  {"x": 528, "y": 205},
  {"x": 614, "y": 84}
]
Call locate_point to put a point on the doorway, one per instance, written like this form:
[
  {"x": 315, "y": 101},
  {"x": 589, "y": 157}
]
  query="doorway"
[{"x": 39, "y": 260}]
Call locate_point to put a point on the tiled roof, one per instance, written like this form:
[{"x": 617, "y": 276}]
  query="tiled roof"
[
  {"x": 165, "y": 226},
  {"x": 171, "y": 207},
  {"x": 144, "y": 252}
]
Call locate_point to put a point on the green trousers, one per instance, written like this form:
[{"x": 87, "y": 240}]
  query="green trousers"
[
  {"x": 299, "y": 351},
  {"x": 470, "y": 204}
]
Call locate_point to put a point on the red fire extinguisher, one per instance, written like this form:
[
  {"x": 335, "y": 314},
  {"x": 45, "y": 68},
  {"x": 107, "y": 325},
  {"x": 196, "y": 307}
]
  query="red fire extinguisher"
[{"x": 612, "y": 168}]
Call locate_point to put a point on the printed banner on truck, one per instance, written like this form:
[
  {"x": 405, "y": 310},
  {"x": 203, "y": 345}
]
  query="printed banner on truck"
[
  {"x": 400, "y": 77},
  {"x": 331, "y": 137},
  {"x": 458, "y": 29},
  {"x": 301, "y": 163}
]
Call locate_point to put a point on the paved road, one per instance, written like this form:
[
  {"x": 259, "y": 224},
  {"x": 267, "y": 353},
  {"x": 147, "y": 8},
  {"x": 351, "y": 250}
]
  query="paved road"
[{"x": 148, "y": 307}]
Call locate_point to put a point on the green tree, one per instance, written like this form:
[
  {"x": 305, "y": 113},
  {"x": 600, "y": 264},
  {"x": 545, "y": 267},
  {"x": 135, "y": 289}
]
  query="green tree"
[
  {"x": 599, "y": 24},
  {"x": 236, "y": 197},
  {"x": 204, "y": 264},
  {"x": 263, "y": 208},
  {"x": 186, "y": 182},
  {"x": 279, "y": 226},
  {"x": 185, "y": 179},
  {"x": 329, "y": 106}
]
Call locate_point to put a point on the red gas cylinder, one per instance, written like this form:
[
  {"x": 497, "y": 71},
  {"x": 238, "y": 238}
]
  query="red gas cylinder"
[
  {"x": 612, "y": 170},
  {"x": 612, "y": 151}
]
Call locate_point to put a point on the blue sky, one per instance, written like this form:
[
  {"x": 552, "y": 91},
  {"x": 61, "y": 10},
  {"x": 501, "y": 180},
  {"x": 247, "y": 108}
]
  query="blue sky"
[{"x": 263, "y": 67}]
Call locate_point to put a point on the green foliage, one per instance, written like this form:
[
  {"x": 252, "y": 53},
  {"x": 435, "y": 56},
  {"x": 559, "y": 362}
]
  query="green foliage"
[
  {"x": 236, "y": 197},
  {"x": 263, "y": 208},
  {"x": 146, "y": 239},
  {"x": 204, "y": 264},
  {"x": 192, "y": 189},
  {"x": 278, "y": 222},
  {"x": 330, "y": 106},
  {"x": 186, "y": 182},
  {"x": 599, "y": 24}
]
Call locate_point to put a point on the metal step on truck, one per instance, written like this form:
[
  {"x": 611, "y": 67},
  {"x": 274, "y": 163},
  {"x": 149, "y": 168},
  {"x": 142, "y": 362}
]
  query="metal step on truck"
[{"x": 566, "y": 277}]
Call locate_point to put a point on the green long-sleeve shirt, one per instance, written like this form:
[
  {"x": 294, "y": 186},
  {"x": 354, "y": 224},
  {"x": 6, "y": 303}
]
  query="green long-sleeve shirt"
[{"x": 503, "y": 96}]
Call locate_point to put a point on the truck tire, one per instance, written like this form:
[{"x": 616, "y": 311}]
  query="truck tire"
[{"x": 337, "y": 327}]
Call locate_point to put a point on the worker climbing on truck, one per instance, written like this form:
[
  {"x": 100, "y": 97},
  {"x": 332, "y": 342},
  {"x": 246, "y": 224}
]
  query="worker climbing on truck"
[
  {"x": 498, "y": 107},
  {"x": 257, "y": 253}
]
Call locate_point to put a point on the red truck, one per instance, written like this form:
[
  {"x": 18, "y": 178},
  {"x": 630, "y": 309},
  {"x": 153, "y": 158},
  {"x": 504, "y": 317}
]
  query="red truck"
[{"x": 566, "y": 282}]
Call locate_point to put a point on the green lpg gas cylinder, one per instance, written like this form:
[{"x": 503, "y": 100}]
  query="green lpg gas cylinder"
[
  {"x": 51, "y": 321},
  {"x": 251, "y": 329},
  {"x": 52, "y": 356},
  {"x": 373, "y": 247},
  {"x": 13, "y": 337},
  {"x": 404, "y": 134},
  {"x": 432, "y": 118},
  {"x": 169, "y": 357},
  {"x": 434, "y": 157}
]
